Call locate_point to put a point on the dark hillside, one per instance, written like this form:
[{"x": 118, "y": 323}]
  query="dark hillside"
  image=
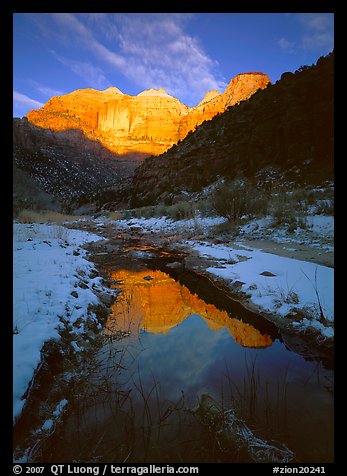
[
  {"x": 66, "y": 165},
  {"x": 282, "y": 133}
]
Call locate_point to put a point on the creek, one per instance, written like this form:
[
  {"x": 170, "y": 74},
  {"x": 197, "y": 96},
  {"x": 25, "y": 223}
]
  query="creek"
[{"x": 171, "y": 337}]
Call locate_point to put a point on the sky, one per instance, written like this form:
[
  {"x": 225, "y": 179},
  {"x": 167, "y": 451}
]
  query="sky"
[{"x": 187, "y": 54}]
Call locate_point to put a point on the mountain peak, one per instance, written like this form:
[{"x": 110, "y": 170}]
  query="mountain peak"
[
  {"x": 149, "y": 123},
  {"x": 210, "y": 95},
  {"x": 155, "y": 92},
  {"x": 113, "y": 89}
]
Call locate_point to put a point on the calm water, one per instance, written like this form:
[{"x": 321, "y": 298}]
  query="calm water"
[{"x": 164, "y": 348}]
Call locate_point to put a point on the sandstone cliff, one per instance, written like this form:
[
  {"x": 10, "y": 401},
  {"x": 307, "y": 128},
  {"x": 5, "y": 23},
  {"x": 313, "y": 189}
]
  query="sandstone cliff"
[{"x": 149, "y": 123}]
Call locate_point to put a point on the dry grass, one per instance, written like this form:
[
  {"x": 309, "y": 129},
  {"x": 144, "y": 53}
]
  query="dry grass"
[
  {"x": 115, "y": 215},
  {"x": 32, "y": 216}
]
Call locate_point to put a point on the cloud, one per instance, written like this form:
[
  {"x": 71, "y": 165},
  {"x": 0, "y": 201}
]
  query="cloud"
[
  {"x": 316, "y": 21},
  {"x": 151, "y": 50},
  {"x": 45, "y": 90},
  {"x": 85, "y": 37},
  {"x": 316, "y": 33},
  {"x": 93, "y": 76},
  {"x": 286, "y": 45},
  {"x": 26, "y": 101},
  {"x": 161, "y": 54},
  {"x": 323, "y": 40}
]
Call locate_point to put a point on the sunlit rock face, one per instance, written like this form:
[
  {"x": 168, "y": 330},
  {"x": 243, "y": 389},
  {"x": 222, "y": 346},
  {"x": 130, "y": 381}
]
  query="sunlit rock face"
[
  {"x": 146, "y": 123},
  {"x": 153, "y": 301},
  {"x": 150, "y": 122},
  {"x": 242, "y": 87}
]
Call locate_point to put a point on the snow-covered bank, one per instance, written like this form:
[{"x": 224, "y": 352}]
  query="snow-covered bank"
[
  {"x": 298, "y": 291},
  {"x": 318, "y": 231},
  {"x": 287, "y": 287},
  {"x": 168, "y": 225},
  {"x": 292, "y": 283},
  {"x": 52, "y": 280}
]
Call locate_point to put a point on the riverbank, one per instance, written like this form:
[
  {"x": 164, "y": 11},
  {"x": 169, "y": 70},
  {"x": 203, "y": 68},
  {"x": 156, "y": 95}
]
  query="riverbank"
[
  {"x": 57, "y": 295},
  {"x": 66, "y": 265},
  {"x": 287, "y": 278}
]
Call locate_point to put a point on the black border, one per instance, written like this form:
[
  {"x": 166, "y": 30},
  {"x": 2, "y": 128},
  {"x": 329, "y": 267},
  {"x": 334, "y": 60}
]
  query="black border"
[{"x": 6, "y": 30}]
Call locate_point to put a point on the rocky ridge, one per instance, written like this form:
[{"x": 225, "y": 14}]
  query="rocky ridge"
[
  {"x": 68, "y": 166},
  {"x": 282, "y": 134},
  {"x": 148, "y": 123}
]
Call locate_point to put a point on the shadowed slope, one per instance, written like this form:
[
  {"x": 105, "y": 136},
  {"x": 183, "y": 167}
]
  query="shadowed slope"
[{"x": 283, "y": 133}]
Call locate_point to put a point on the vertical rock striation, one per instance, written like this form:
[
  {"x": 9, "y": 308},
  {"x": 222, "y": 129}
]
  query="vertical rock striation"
[{"x": 149, "y": 123}]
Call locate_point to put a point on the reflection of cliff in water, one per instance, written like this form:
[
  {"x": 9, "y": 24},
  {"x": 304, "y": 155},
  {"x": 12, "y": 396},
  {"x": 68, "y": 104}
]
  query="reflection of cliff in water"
[{"x": 153, "y": 301}]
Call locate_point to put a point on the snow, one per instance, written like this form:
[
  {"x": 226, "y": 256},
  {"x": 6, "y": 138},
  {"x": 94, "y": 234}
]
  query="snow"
[
  {"x": 60, "y": 407},
  {"x": 321, "y": 224},
  {"x": 47, "y": 425},
  {"x": 48, "y": 265},
  {"x": 319, "y": 231},
  {"x": 56, "y": 414},
  {"x": 168, "y": 225},
  {"x": 296, "y": 284}
]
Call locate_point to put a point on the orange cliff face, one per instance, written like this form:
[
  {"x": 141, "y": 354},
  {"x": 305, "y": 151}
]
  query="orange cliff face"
[
  {"x": 150, "y": 122},
  {"x": 240, "y": 88},
  {"x": 153, "y": 301}
]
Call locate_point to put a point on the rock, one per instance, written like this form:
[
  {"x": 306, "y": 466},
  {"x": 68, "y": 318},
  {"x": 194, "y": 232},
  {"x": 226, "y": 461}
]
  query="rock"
[
  {"x": 231, "y": 261},
  {"x": 218, "y": 146},
  {"x": 105, "y": 298},
  {"x": 58, "y": 161},
  {"x": 209, "y": 96},
  {"x": 71, "y": 146},
  {"x": 238, "y": 284},
  {"x": 83, "y": 285},
  {"x": 267, "y": 273},
  {"x": 74, "y": 294},
  {"x": 175, "y": 265},
  {"x": 148, "y": 278},
  {"x": 149, "y": 123}
]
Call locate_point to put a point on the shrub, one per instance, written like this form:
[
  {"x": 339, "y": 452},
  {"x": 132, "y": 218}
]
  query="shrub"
[
  {"x": 181, "y": 211},
  {"x": 280, "y": 214},
  {"x": 146, "y": 212},
  {"x": 286, "y": 212},
  {"x": 205, "y": 208},
  {"x": 325, "y": 207},
  {"x": 238, "y": 198},
  {"x": 115, "y": 215}
]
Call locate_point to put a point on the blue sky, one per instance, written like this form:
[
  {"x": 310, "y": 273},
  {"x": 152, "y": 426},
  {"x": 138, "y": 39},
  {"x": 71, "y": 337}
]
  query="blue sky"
[{"x": 187, "y": 54}]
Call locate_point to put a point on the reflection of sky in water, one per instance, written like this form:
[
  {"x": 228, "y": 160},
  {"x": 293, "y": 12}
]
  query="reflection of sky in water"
[
  {"x": 178, "y": 342},
  {"x": 156, "y": 303},
  {"x": 193, "y": 358}
]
